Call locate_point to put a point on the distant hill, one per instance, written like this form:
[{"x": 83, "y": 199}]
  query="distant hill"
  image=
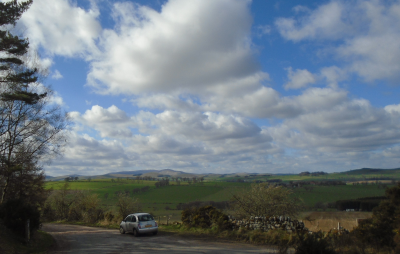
[
  {"x": 136, "y": 172},
  {"x": 365, "y": 171},
  {"x": 152, "y": 173},
  {"x": 60, "y": 178}
]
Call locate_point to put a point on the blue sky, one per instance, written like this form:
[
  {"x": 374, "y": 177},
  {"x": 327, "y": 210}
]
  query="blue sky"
[{"x": 222, "y": 86}]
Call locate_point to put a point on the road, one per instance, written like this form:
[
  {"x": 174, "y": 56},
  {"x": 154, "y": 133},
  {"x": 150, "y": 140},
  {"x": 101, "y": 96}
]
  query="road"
[{"x": 82, "y": 240}]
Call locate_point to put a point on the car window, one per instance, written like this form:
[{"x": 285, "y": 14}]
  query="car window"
[
  {"x": 128, "y": 218},
  {"x": 133, "y": 218},
  {"x": 146, "y": 217}
]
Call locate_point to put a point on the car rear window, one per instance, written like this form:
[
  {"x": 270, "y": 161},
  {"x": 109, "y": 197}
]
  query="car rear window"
[{"x": 146, "y": 217}]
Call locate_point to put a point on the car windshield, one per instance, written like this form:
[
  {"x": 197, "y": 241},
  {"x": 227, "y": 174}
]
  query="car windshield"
[{"x": 146, "y": 217}]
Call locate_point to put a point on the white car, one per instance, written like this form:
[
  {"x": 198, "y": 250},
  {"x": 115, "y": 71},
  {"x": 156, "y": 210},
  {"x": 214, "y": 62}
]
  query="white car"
[{"x": 139, "y": 223}]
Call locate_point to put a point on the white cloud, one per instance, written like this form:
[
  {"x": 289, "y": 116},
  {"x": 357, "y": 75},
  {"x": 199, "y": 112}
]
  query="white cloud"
[
  {"x": 333, "y": 75},
  {"x": 194, "y": 63},
  {"x": 299, "y": 78},
  {"x": 393, "y": 109},
  {"x": 56, "y": 99},
  {"x": 366, "y": 33},
  {"x": 166, "y": 101},
  {"x": 267, "y": 103},
  {"x": 263, "y": 30},
  {"x": 61, "y": 28},
  {"x": 351, "y": 126},
  {"x": 188, "y": 46},
  {"x": 326, "y": 22},
  {"x": 111, "y": 122},
  {"x": 56, "y": 75},
  {"x": 175, "y": 139}
]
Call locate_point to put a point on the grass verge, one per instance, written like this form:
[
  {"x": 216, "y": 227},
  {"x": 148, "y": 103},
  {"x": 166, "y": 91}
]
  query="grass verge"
[
  {"x": 41, "y": 242},
  {"x": 278, "y": 238}
]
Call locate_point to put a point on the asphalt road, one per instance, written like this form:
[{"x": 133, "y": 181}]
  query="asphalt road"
[{"x": 82, "y": 240}]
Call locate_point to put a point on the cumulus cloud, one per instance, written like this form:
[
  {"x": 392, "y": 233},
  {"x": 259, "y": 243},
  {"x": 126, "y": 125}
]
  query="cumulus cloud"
[
  {"x": 353, "y": 125},
  {"x": 61, "y": 28},
  {"x": 55, "y": 98},
  {"x": 188, "y": 46},
  {"x": 201, "y": 91},
  {"x": 167, "y": 101},
  {"x": 366, "y": 32},
  {"x": 268, "y": 103},
  {"x": 56, "y": 75},
  {"x": 299, "y": 78},
  {"x": 111, "y": 122},
  {"x": 175, "y": 139},
  {"x": 326, "y": 22},
  {"x": 393, "y": 109},
  {"x": 333, "y": 75}
]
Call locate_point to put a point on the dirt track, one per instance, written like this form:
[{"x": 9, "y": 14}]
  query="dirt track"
[{"x": 81, "y": 240}]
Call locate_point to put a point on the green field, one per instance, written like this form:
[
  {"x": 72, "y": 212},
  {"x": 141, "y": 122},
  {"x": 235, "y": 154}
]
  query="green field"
[
  {"x": 333, "y": 193},
  {"x": 156, "y": 200}
]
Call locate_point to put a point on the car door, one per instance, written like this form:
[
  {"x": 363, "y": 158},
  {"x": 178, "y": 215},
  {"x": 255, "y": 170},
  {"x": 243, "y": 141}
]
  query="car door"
[
  {"x": 128, "y": 223},
  {"x": 134, "y": 222}
]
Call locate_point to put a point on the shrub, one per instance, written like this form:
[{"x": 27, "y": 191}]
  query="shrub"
[
  {"x": 206, "y": 217},
  {"x": 265, "y": 200},
  {"x": 127, "y": 205},
  {"x": 16, "y": 212},
  {"x": 109, "y": 216},
  {"x": 85, "y": 207},
  {"x": 381, "y": 231},
  {"x": 314, "y": 243}
]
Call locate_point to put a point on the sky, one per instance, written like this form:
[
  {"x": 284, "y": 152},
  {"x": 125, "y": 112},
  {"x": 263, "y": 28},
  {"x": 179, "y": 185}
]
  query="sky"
[{"x": 222, "y": 86}]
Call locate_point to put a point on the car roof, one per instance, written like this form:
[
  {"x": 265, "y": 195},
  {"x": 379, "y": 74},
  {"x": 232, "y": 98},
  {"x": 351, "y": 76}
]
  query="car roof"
[{"x": 137, "y": 214}]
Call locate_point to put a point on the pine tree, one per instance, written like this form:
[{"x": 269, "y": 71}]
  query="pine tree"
[{"x": 12, "y": 69}]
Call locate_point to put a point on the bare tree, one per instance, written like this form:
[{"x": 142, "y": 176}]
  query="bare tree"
[
  {"x": 29, "y": 133},
  {"x": 127, "y": 205},
  {"x": 266, "y": 200}
]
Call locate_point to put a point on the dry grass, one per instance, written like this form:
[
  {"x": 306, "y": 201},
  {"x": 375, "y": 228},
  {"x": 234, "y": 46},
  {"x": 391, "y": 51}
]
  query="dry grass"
[{"x": 326, "y": 221}]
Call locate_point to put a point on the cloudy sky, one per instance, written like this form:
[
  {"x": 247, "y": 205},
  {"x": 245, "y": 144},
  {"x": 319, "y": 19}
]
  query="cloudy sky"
[{"x": 222, "y": 86}]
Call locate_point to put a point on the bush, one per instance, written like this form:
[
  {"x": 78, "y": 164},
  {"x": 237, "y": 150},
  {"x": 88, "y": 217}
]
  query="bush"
[
  {"x": 314, "y": 243},
  {"x": 65, "y": 204},
  {"x": 16, "y": 212},
  {"x": 206, "y": 217},
  {"x": 109, "y": 216},
  {"x": 85, "y": 207},
  {"x": 264, "y": 200},
  {"x": 382, "y": 230},
  {"x": 127, "y": 205}
]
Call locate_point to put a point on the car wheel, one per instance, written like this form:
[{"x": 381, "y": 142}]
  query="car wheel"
[
  {"x": 135, "y": 233},
  {"x": 155, "y": 233},
  {"x": 121, "y": 230}
]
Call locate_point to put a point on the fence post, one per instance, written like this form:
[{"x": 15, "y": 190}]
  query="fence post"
[{"x": 27, "y": 231}]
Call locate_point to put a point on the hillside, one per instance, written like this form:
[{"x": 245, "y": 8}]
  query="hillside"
[{"x": 355, "y": 173}]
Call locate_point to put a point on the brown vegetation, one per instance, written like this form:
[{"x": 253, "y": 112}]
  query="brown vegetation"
[{"x": 326, "y": 221}]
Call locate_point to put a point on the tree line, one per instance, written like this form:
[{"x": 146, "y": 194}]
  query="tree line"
[{"x": 32, "y": 128}]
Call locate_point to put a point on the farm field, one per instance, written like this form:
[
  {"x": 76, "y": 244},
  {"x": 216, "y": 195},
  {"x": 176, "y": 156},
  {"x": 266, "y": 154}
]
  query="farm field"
[
  {"x": 163, "y": 201},
  {"x": 325, "y": 221},
  {"x": 340, "y": 192}
]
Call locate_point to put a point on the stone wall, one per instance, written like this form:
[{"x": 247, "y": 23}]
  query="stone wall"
[{"x": 269, "y": 223}]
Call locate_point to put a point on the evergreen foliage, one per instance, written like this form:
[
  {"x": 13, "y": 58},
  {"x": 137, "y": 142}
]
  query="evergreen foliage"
[
  {"x": 12, "y": 69},
  {"x": 382, "y": 231},
  {"x": 15, "y": 213}
]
